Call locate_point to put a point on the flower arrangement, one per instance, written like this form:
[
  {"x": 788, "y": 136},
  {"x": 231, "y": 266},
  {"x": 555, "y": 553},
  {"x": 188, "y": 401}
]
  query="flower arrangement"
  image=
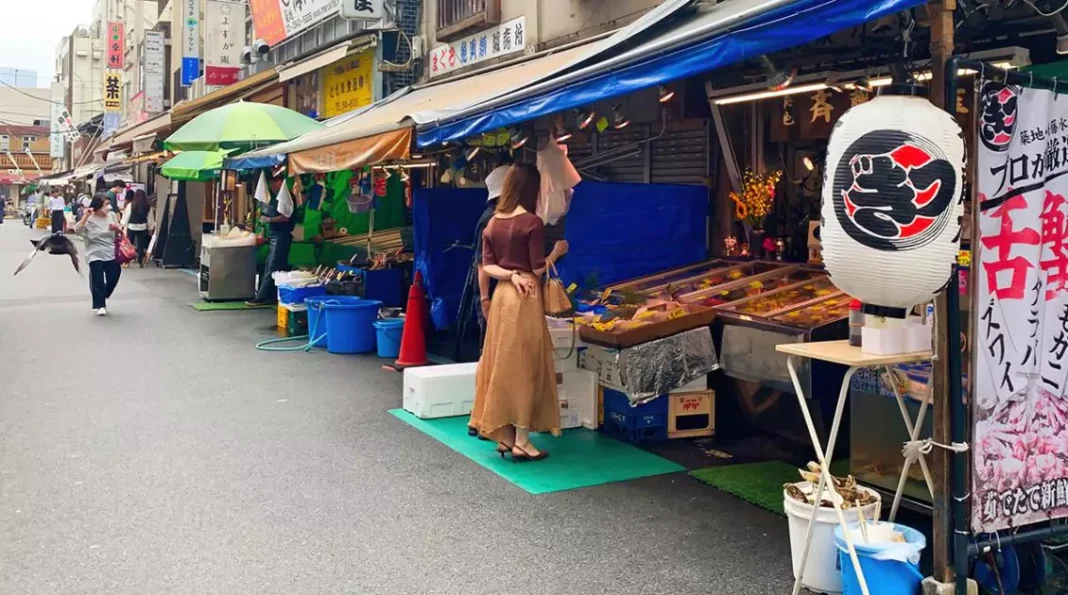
[{"x": 757, "y": 197}]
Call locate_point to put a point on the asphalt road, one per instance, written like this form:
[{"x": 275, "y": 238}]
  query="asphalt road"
[{"x": 156, "y": 451}]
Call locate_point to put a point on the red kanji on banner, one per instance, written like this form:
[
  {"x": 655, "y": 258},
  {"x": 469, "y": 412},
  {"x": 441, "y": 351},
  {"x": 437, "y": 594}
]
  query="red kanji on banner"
[
  {"x": 1054, "y": 235},
  {"x": 1003, "y": 243}
]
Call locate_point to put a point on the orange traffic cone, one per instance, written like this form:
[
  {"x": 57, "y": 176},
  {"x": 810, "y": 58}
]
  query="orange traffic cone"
[{"x": 413, "y": 341}]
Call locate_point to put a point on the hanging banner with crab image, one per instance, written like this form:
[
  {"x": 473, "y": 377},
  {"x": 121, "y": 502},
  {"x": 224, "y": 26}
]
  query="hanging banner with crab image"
[{"x": 1020, "y": 416}]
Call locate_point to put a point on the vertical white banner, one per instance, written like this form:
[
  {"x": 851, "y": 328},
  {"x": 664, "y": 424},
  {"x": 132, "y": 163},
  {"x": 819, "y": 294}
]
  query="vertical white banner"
[
  {"x": 154, "y": 73},
  {"x": 224, "y": 36},
  {"x": 190, "y": 41},
  {"x": 1020, "y": 438},
  {"x": 57, "y": 137}
]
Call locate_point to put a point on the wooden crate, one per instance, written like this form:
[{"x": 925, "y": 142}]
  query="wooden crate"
[{"x": 692, "y": 414}]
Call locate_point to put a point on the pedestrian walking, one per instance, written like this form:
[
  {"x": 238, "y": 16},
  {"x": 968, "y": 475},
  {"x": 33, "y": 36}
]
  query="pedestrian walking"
[
  {"x": 117, "y": 187},
  {"x": 55, "y": 206},
  {"x": 135, "y": 222},
  {"x": 517, "y": 342},
  {"x": 98, "y": 227}
]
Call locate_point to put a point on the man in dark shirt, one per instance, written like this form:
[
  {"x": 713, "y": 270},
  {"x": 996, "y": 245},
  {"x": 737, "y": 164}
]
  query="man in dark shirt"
[
  {"x": 117, "y": 188},
  {"x": 280, "y": 239},
  {"x": 494, "y": 185}
]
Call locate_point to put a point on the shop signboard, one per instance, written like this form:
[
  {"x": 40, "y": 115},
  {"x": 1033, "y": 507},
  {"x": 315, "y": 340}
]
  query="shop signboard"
[
  {"x": 224, "y": 36},
  {"x": 506, "y": 38},
  {"x": 110, "y": 124},
  {"x": 66, "y": 123},
  {"x": 135, "y": 110},
  {"x": 116, "y": 45},
  {"x": 1020, "y": 438},
  {"x": 363, "y": 10},
  {"x": 112, "y": 91},
  {"x": 154, "y": 71},
  {"x": 276, "y": 20},
  {"x": 57, "y": 128},
  {"x": 190, "y": 41},
  {"x": 348, "y": 84}
]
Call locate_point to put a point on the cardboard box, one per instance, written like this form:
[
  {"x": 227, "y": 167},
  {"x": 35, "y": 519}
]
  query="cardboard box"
[{"x": 692, "y": 414}]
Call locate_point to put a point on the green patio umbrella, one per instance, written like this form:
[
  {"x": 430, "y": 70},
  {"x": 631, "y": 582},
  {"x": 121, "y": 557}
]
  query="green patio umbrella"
[
  {"x": 194, "y": 166},
  {"x": 242, "y": 125}
]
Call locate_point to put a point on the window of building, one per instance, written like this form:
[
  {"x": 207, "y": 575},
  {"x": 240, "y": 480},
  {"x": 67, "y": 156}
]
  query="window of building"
[
  {"x": 27, "y": 143},
  {"x": 5, "y": 142}
]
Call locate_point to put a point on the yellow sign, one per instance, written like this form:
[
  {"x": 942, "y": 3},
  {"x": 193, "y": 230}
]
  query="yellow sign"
[
  {"x": 347, "y": 84},
  {"x": 112, "y": 91}
]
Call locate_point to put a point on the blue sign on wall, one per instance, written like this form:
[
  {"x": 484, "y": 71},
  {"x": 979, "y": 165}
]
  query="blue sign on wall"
[{"x": 190, "y": 70}]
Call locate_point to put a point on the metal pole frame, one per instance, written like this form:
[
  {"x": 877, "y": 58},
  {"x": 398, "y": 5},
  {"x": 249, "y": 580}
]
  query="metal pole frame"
[{"x": 962, "y": 550}]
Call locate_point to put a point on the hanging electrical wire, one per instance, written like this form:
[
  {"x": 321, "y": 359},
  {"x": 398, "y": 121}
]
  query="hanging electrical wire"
[
  {"x": 32, "y": 96},
  {"x": 1039, "y": 10}
]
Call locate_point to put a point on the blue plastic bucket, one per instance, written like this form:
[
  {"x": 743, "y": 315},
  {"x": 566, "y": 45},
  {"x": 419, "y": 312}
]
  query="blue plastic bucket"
[
  {"x": 386, "y": 285},
  {"x": 350, "y": 324},
  {"x": 317, "y": 319},
  {"x": 389, "y": 332},
  {"x": 883, "y": 576}
]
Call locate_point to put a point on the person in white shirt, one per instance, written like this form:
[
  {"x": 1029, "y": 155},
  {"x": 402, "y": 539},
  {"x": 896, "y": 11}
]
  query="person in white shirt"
[{"x": 55, "y": 205}]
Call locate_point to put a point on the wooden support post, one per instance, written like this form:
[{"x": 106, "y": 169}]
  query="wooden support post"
[{"x": 941, "y": 22}]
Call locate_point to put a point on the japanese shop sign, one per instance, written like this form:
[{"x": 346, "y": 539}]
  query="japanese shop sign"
[
  {"x": 190, "y": 41},
  {"x": 363, "y": 10},
  {"x": 1020, "y": 439},
  {"x": 66, "y": 124},
  {"x": 348, "y": 84},
  {"x": 112, "y": 91},
  {"x": 154, "y": 71},
  {"x": 276, "y": 20},
  {"x": 224, "y": 36},
  {"x": 116, "y": 45},
  {"x": 58, "y": 123},
  {"x": 506, "y": 38},
  {"x": 110, "y": 124},
  {"x": 267, "y": 21}
]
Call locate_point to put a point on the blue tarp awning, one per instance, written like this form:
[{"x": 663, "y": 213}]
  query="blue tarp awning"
[{"x": 724, "y": 34}]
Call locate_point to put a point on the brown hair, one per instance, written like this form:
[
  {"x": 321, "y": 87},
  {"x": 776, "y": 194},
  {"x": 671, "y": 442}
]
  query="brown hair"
[{"x": 521, "y": 188}]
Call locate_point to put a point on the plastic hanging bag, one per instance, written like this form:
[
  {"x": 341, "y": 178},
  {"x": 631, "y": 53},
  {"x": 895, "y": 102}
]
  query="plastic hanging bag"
[
  {"x": 263, "y": 192},
  {"x": 558, "y": 177},
  {"x": 881, "y": 544},
  {"x": 285, "y": 201}
]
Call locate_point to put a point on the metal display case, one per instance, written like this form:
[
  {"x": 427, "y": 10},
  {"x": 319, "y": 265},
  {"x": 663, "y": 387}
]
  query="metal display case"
[
  {"x": 808, "y": 311},
  {"x": 697, "y": 288}
]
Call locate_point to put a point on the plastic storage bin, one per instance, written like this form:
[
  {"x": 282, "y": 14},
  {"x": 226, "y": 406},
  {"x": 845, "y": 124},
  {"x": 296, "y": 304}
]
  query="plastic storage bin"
[
  {"x": 350, "y": 324},
  {"x": 439, "y": 391},
  {"x": 388, "y": 333},
  {"x": 297, "y": 295},
  {"x": 889, "y": 568},
  {"x": 644, "y": 423},
  {"x": 821, "y": 568}
]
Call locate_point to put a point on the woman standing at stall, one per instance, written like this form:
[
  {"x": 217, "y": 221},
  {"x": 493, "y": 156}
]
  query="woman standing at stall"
[
  {"x": 98, "y": 227},
  {"x": 515, "y": 386},
  {"x": 135, "y": 222}
]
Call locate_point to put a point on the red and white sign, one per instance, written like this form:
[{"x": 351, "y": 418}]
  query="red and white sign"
[
  {"x": 506, "y": 38},
  {"x": 116, "y": 42},
  {"x": 224, "y": 22},
  {"x": 1020, "y": 438}
]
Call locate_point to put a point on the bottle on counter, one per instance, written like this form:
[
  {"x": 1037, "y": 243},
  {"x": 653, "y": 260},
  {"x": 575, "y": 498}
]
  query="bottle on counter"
[{"x": 856, "y": 323}]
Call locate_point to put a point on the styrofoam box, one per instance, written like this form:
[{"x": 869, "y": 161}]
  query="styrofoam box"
[
  {"x": 567, "y": 345},
  {"x": 439, "y": 391},
  {"x": 577, "y": 392},
  {"x": 605, "y": 363}
]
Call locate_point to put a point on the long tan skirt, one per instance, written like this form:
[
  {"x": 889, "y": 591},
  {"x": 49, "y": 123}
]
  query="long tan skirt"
[{"x": 516, "y": 382}]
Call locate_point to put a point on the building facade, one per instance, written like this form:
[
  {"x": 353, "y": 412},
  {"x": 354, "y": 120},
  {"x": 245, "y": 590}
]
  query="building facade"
[
  {"x": 24, "y": 157},
  {"x": 465, "y": 35}
]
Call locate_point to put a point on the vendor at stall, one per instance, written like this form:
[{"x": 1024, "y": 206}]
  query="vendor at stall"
[
  {"x": 494, "y": 185},
  {"x": 280, "y": 239},
  {"x": 56, "y": 205}
]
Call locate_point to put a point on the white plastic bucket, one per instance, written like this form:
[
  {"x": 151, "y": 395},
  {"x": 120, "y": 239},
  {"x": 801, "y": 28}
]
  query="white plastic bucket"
[{"x": 822, "y": 574}]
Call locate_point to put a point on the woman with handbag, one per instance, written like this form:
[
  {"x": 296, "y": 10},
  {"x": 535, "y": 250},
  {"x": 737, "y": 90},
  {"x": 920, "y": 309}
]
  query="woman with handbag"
[
  {"x": 99, "y": 228},
  {"x": 135, "y": 221},
  {"x": 515, "y": 385}
]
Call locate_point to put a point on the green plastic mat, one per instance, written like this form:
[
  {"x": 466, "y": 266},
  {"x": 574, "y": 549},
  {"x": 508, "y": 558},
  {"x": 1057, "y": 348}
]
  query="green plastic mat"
[
  {"x": 216, "y": 306},
  {"x": 578, "y": 459},
  {"x": 759, "y": 484}
]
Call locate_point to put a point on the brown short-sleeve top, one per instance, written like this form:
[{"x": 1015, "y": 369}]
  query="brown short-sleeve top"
[{"x": 516, "y": 243}]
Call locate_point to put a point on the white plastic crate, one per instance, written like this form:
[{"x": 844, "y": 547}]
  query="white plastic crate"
[
  {"x": 577, "y": 392},
  {"x": 439, "y": 391}
]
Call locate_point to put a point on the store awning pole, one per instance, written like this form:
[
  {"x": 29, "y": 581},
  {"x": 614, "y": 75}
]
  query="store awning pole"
[{"x": 724, "y": 138}]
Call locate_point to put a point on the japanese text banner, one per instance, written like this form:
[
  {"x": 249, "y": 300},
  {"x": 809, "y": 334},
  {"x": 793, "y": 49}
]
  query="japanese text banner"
[{"x": 1020, "y": 438}]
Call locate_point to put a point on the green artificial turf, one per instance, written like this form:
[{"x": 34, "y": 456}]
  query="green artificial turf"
[
  {"x": 218, "y": 306},
  {"x": 759, "y": 484}
]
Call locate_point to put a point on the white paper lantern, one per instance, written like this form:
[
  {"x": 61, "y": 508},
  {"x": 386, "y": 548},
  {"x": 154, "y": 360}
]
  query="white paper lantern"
[{"x": 892, "y": 207}]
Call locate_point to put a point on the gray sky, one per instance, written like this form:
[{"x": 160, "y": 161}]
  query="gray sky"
[{"x": 30, "y": 30}]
